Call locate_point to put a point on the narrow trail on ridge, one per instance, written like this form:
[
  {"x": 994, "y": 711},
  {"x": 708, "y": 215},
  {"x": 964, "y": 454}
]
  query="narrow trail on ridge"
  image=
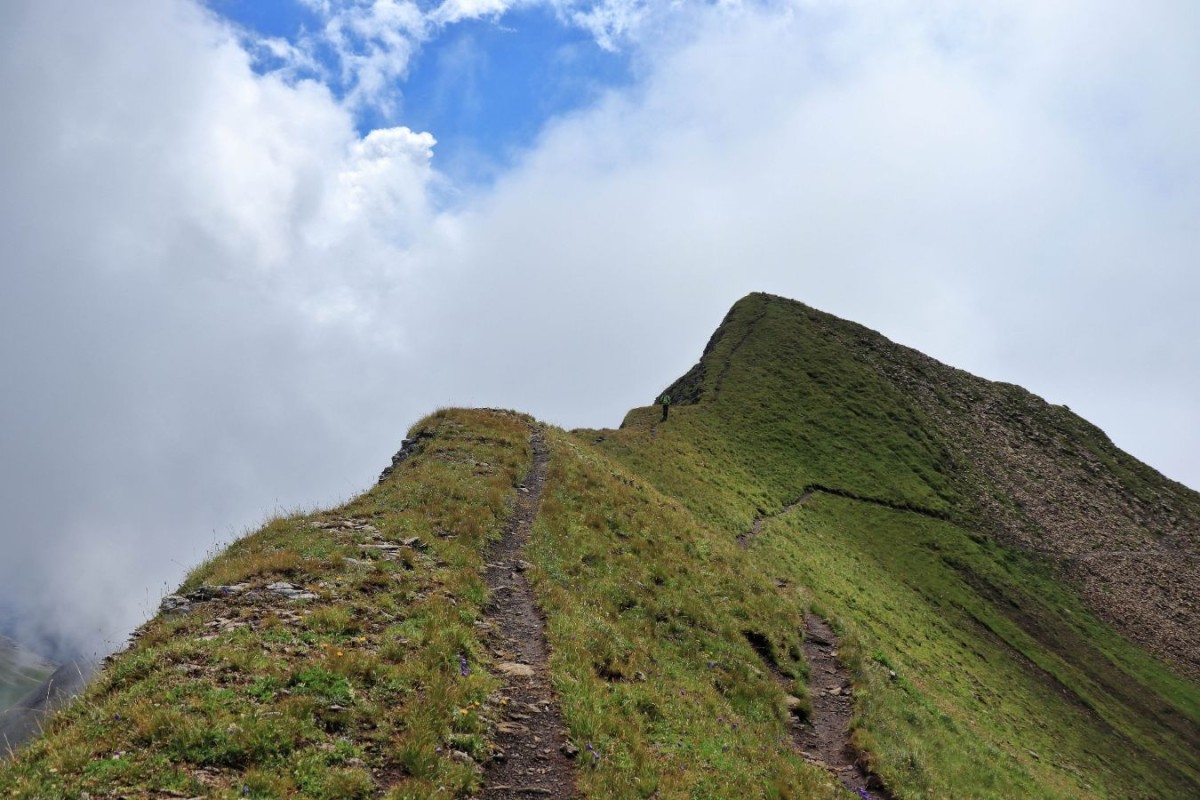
[
  {"x": 532, "y": 759},
  {"x": 824, "y": 739},
  {"x": 756, "y": 527}
]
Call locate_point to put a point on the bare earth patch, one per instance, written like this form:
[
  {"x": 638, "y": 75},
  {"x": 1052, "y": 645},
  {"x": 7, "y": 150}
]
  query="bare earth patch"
[
  {"x": 825, "y": 739},
  {"x": 532, "y": 757}
]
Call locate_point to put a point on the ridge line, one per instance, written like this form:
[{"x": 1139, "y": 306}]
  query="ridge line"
[{"x": 530, "y": 755}]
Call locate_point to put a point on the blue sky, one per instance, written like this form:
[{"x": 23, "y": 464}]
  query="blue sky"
[
  {"x": 237, "y": 268},
  {"x": 484, "y": 87}
]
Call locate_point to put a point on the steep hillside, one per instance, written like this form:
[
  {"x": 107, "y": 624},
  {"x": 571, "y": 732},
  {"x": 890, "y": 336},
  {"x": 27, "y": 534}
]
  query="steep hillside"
[
  {"x": 806, "y": 583},
  {"x": 20, "y": 671},
  {"x": 829, "y": 402}
]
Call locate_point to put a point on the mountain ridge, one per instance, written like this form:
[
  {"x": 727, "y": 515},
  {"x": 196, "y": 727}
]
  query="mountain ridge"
[
  {"x": 1075, "y": 518},
  {"x": 810, "y": 546}
]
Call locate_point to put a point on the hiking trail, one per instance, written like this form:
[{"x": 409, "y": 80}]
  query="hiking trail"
[
  {"x": 824, "y": 739},
  {"x": 756, "y": 527},
  {"x": 532, "y": 759}
]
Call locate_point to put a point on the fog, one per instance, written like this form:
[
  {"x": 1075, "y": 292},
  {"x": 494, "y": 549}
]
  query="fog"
[{"x": 223, "y": 300}]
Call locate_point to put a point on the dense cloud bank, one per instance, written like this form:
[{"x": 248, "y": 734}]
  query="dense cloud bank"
[{"x": 221, "y": 300}]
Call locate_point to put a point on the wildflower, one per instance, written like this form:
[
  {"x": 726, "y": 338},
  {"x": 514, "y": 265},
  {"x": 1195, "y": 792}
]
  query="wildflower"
[{"x": 463, "y": 669}]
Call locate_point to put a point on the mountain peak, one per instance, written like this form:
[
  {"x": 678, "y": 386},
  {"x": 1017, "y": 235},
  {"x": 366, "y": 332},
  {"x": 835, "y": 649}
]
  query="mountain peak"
[{"x": 834, "y": 562}]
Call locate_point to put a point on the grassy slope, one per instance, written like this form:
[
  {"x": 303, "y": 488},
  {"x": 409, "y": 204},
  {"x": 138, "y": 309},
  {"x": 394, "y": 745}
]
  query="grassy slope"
[
  {"x": 1006, "y": 685},
  {"x": 361, "y": 692},
  {"x": 330, "y": 698}
]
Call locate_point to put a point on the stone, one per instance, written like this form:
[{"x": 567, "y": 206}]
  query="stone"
[
  {"x": 291, "y": 591},
  {"x": 570, "y": 750},
  {"x": 515, "y": 670},
  {"x": 174, "y": 604}
]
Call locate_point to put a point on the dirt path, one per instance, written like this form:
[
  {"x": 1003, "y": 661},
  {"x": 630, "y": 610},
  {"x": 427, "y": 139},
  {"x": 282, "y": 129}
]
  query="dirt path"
[
  {"x": 825, "y": 738},
  {"x": 532, "y": 760},
  {"x": 756, "y": 527}
]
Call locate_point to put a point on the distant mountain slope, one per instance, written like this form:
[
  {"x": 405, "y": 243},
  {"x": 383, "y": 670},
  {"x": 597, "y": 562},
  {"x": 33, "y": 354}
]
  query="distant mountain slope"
[
  {"x": 20, "y": 671},
  {"x": 683, "y": 570}
]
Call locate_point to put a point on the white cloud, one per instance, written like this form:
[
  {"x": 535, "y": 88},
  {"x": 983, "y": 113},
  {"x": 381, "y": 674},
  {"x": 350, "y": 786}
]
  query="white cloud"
[
  {"x": 196, "y": 259},
  {"x": 610, "y": 21},
  {"x": 996, "y": 186},
  {"x": 219, "y": 298},
  {"x": 451, "y": 11},
  {"x": 375, "y": 41}
]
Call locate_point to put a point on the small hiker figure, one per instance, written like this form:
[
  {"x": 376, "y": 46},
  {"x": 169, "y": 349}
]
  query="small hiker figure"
[{"x": 666, "y": 404}]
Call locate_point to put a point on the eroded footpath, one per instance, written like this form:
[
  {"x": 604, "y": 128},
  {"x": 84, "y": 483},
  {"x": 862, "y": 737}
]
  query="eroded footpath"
[
  {"x": 532, "y": 758},
  {"x": 825, "y": 738}
]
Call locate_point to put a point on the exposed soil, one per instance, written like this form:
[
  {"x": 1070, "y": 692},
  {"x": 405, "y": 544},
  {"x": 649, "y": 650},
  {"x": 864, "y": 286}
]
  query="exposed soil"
[
  {"x": 531, "y": 759},
  {"x": 825, "y": 738}
]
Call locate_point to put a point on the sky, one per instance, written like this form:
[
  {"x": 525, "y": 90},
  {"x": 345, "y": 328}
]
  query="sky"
[{"x": 247, "y": 244}]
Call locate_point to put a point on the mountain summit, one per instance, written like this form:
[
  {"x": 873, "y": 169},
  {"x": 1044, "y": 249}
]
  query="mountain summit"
[
  {"x": 883, "y": 421},
  {"x": 837, "y": 569}
]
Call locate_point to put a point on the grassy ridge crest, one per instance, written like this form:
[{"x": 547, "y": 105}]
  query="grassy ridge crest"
[{"x": 980, "y": 666}]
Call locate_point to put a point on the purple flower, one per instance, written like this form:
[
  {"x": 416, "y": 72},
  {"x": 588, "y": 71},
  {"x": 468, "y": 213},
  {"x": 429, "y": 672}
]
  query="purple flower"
[{"x": 463, "y": 669}]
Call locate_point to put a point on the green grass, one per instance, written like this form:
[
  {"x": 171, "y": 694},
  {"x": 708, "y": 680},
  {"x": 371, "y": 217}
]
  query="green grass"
[
  {"x": 358, "y": 693},
  {"x": 648, "y": 612},
  {"x": 1004, "y": 686},
  {"x": 980, "y": 707}
]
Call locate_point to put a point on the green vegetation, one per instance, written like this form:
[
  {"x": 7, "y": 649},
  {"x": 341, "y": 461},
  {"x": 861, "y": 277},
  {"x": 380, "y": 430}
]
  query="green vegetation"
[
  {"x": 20, "y": 672},
  {"x": 251, "y": 694},
  {"x": 648, "y": 614},
  {"x": 978, "y": 672}
]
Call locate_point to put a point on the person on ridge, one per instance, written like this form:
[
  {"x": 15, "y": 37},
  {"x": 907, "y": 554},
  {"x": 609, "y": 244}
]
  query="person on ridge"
[{"x": 666, "y": 404}]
